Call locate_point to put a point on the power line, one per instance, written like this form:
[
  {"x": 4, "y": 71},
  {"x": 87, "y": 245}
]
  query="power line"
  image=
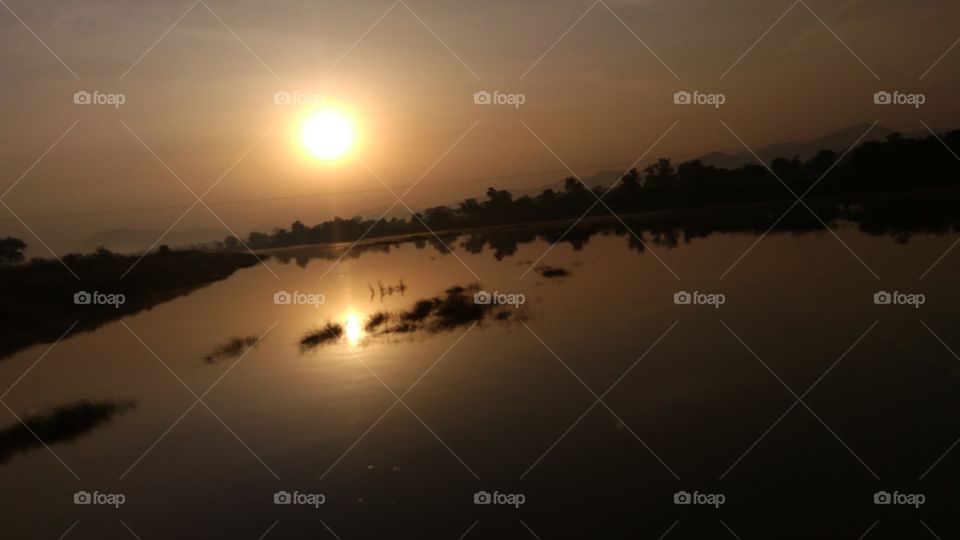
[
  {"x": 732, "y": 151},
  {"x": 337, "y": 193}
]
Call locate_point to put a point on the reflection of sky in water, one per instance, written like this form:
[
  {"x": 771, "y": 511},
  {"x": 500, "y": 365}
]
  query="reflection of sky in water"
[{"x": 300, "y": 412}]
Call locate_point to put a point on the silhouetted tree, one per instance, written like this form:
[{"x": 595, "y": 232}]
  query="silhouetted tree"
[
  {"x": 631, "y": 181},
  {"x": 471, "y": 209},
  {"x": 659, "y": 174},
  {"x": 298, "y": 233},
  {"x": 787, "y": 169},
  {"x": 819, "y": 164},
  {"x": 105, "y": 253},
  {"x": 439, "y": 217},
  {"x": 574, "y": 187},
  {"x": 11, "y": 250}
]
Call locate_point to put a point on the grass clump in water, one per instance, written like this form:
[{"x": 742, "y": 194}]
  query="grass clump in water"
[
  {"x": 233, "y": 348},
  {"x": 330, "y": 332}
]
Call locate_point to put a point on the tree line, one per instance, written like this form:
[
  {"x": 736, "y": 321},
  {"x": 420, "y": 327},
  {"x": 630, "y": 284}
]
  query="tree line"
[{"x": 894, "y": 164}]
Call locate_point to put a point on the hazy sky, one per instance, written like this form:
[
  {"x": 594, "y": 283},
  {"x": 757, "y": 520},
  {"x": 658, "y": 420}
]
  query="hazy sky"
[{"x": 202, "y": 96}]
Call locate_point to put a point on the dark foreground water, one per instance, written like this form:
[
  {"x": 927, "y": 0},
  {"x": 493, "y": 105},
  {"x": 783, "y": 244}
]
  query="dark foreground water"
[{"x": 788, "y": 411}]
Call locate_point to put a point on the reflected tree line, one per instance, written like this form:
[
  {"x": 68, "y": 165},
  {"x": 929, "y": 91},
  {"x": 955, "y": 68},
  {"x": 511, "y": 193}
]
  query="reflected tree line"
[
  {"x": 62, "y": 424},
  {"x": 39, "y": 303}
]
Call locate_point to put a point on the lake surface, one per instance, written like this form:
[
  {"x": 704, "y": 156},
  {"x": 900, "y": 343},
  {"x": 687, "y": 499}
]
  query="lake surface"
[{"x": 695, "y": 398}]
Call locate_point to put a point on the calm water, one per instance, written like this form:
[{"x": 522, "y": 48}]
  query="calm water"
[{"x": 494, "y": 412}]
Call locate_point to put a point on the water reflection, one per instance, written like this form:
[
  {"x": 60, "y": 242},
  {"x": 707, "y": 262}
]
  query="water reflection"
[
  {"x": 233, "y": 348},
  {"x": 38, "y": 296},
  {"x": 353, "y": 329},
  {"x": 457, "y": 307},
  {"x": 900, "y": 216},
  {"x": 301, "y": 413},
  {"x": 60, "y": 424}
]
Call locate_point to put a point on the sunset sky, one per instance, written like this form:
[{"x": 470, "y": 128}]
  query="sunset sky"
[{"x": 199, "y": 82}]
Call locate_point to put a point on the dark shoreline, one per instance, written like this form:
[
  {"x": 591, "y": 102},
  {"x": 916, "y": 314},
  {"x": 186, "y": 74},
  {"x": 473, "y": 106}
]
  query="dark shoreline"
[
  {"x": 925, "y": 211},
  {"x": 39, "y": 295}
]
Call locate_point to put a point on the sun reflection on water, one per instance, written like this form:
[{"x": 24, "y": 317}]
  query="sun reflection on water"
[{"x": 353, "y": 328}]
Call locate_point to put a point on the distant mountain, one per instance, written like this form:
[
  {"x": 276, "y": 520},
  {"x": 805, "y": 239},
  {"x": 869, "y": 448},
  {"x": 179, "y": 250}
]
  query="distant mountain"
[
  {"x": 838, "y": 141},
  {"x": 723, "y": 160},
  {"x": 137, "y": 240},
  {"x": 399, "y": 211},
  {"x": 600, "y": 178},
  {"x": 264, "y": 228}
]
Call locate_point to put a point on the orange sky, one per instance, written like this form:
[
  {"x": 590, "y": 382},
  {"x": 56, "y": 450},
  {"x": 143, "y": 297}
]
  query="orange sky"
[{"x": 199, "y": 93}]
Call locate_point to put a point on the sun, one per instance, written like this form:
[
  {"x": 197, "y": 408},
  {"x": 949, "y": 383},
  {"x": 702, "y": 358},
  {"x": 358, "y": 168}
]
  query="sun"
[{"x": 328, "y": 135}]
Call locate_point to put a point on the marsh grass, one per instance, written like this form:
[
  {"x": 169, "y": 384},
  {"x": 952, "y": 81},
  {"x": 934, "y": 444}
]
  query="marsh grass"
[
  {"x": 455, "y": 308},
  {"x": 553, "y": 271},
  {"x": 329, "y": 332},
  {"x": 233, "y": 348}
]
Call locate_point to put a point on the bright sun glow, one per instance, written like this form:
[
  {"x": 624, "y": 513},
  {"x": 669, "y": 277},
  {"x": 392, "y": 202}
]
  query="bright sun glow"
[
  {"x": 328, "y": 135},
  {"x": 353, "y": 329}
]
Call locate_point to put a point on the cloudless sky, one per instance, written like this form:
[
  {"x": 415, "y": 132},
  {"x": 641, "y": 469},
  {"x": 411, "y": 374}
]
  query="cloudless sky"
[{"x": 202, "y": 96}]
